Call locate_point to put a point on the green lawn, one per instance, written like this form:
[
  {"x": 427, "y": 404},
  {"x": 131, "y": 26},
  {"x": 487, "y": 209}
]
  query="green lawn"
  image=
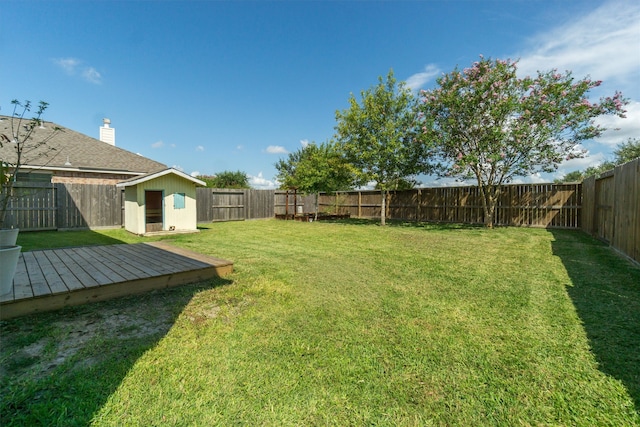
[{"x": 345, "y": 324}]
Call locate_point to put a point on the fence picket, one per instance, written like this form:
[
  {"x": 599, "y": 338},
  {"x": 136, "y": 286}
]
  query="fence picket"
[{"x": 607, "y": 207}]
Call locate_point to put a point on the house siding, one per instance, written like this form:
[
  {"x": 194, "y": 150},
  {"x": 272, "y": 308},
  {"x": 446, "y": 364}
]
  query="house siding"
[{"x": 131, "y": 211}]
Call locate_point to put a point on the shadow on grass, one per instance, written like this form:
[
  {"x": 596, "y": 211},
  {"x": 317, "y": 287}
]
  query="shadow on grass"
[
  {"x": 605, "y": 290},
  {"x": 60, "y": 368},
  {"x": 34, "y": 240}
]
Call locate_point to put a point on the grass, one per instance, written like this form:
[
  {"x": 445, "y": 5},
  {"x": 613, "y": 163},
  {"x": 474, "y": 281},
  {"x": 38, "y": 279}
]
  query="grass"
[
  {"x": 60, "y": 239},
  {"x": 348, "y": 324}
]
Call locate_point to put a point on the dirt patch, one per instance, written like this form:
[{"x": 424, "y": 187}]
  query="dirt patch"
[{"x": 35, "y": 345}]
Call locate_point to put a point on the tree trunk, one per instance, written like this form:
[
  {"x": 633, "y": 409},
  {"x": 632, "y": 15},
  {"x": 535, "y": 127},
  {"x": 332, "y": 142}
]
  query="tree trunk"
[
  {"x": 489, "y": 212},
  {"x": 488, "y": 206},
  {"x": 489, "y": 200},
  {"x": 383, "y": 213}
]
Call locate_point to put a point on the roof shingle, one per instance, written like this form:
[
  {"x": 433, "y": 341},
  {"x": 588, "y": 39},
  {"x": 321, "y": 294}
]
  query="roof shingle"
[{"x": 82, "y": 151}]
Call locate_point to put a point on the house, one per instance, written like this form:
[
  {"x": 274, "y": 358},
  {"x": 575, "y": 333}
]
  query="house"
[
  {"x": 156, "y": 198},
  {"x": 72, "y": 157},
  {"x": 164, "y": 201}
]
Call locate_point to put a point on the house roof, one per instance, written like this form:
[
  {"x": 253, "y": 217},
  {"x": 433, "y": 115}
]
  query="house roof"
[
  {"x": 74, "y": 151},
  {"x": 148, "y": 177}
]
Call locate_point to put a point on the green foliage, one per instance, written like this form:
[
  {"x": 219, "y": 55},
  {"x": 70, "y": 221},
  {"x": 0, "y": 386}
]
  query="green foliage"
[
  {"x": 402, "y": 184},
  {"x": 597, "y": 170},
  {"x": 380, "y": 135},
  {"x": 227, "y": 179},
  {"x": 317, "y": 168},
  {"x": 575, "y": 176},
  {"x": 627, "y": 151},
  {"x": 492, "y": 125},
  {"x": 208, "y": 179}
]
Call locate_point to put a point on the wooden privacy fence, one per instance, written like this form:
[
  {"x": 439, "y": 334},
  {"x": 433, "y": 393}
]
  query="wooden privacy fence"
[
  {"x": 607, "y": 207},
  {"x": 216, "y": 204},
  {"x": 46, "y": 206},
  {"x": 291, "y": 202},
  {"x": 531, "y": 205},
  {"x": 611, "y": 208}
]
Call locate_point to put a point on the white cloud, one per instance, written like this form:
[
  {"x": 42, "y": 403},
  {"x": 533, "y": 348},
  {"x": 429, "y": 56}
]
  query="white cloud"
[
  {"x": 304, "y": 142},
  {"x": 260, "y": 183},
  {"x": 195, "y": 174},
  {"x": 434, "y": 181},
  {"x": 535, "y": 178},
  {"x": 240, "y": 147},
  {"x": 418, "y": 80},
  {"x": 602, "y": 44},
  {"x": 67, "y": 64},
  {"x": 74, "y": 66},
  {"x": 581, "y": 164},
  {"x": 276, "y": 149},
  {"x": 158, "y": 144},
  {"x": 178, "y": 167},
  {"x": 618, "y": 129},
  {"x": 199, "y": 148},
  {"x": 92, "y": 75}
]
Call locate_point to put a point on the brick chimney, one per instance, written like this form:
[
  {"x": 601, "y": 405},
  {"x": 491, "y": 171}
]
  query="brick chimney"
[{"x": 107, "y": 134}]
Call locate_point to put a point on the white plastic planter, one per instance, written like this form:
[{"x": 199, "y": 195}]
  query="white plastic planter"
[{"x": 9, "y": 256}]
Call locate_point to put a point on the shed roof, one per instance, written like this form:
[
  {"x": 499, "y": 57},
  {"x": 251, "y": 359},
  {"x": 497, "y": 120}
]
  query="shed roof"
[
  {"x": 148, "y": 177},
  {"x": 71, "y": 150}
]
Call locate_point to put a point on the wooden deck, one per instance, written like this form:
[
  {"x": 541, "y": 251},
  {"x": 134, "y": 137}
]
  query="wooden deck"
[{"x": 51, "y": 279}]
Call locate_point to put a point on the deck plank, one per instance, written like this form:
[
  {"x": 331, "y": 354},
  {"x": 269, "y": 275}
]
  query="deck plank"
[
  {"x": 151, "y": 259},
  {"x": 21, "y": 284},
  {"x": 174, "y": 253},
  {"x": 194, "y": 256},
  {"x": 55, "y": 283},
  {"x": 99, "y": 265},
  {"x": 73, "y": 275},
  {"x": 89, "y": 267},
  {"x": 132, "y": 261},
  {"x": 36, "y": 277},
  {"x": 71, "y": 272},
  {"x": 127, "y": 270},
  {"x": 69, "y": 279}
]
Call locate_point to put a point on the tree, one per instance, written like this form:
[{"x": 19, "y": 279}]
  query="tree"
[
  {"x": 493, "y": 126},
  {"x": 627, "y": 151},
  {"x": 317, "y": 168},
  {"x": 574, "y": 176},
  {"x": 598, "y": 170},
  {"x": 380, "y": 136},
  {"x": 26, "y": 147},
  {"x": 402, "y": 184},
  {"x": 227, "y": 179}
]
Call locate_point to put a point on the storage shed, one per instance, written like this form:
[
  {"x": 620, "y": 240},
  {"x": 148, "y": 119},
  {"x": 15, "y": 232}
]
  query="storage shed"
[{"x": 163, "y": 201}]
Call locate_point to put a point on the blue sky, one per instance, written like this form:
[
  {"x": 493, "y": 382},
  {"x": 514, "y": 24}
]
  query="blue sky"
[{"x": 208, "y": 86}]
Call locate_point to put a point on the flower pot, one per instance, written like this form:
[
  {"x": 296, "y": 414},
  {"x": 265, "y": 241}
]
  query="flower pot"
[
  {"x": 9, "y": 256},
  {"x": 8, "y": 236}
]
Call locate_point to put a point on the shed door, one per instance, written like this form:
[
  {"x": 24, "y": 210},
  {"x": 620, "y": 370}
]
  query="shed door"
[{"x": 153, "y": 211}]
